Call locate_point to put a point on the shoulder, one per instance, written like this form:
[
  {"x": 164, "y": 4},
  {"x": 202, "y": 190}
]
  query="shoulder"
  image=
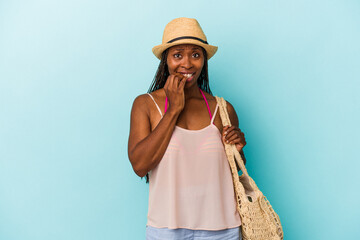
[
  {"x": 141, "y": 99},
  {"x": 144, "y": 103},
  {"x": 145, "y": 98},
  {"x": 232, "y": 113},
  {"x": 141, "y": 104},
  {"x": 157, "y": 95},
  {"x": 230, "y": 108}
]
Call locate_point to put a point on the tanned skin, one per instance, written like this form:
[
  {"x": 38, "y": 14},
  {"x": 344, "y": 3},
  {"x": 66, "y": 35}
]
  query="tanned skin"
[{"x": 150, "y": 134}]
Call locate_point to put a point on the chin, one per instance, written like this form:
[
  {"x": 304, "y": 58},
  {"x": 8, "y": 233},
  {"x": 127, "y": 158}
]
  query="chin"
[{"x": 191, "y": 83}]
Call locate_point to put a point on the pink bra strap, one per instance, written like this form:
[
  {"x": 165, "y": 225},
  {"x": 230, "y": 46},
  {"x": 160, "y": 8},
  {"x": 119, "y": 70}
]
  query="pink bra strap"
[
  {"x": 206, "y": 103},
  {"x": 166, "y": 103}
]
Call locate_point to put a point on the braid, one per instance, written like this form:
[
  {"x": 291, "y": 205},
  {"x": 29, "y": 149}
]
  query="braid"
[{"x": 162, "y": 74}]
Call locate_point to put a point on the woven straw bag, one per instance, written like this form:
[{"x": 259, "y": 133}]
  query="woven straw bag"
[{"x": 258, "y": 219}]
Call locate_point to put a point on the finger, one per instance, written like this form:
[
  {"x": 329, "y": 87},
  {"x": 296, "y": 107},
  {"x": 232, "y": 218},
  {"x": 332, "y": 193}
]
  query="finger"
[
  {"x": 228, "y": 130},
  {"x": 181, "y": 78},
  {"x": 231, "y": 128},
  {"x": 179, "y": 75},
  {"x": 170, "y": 81},
  {"x": 175, "y": 78},
  {"x": 239, "y": 147},
  {"x": 225, "y": 128},
  {"x": 237, "y": 135},
  {"x": 233, "y": 138},
  {"x": 231, "y": 133},
  {"x": 237, "y": 141},
  {"x": 234, "y": 134},
  {"x": 182, "y": 84},
  {"x": 174, "y": 81}
]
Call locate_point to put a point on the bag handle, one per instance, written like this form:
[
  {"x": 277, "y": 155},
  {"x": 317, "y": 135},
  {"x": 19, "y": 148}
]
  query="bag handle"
[{"x": 226, "y": 121}]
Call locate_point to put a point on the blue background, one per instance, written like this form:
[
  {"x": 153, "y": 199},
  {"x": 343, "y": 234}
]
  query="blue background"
[{"x": 70, "y": 70}]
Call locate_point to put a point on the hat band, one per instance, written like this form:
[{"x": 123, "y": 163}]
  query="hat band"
[{"x": 187, "y": 37}]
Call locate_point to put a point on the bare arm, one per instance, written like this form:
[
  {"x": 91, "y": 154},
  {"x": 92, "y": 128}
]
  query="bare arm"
[
  {"x": 145, "y": 147},
  {"x": 235, "y": 122}
]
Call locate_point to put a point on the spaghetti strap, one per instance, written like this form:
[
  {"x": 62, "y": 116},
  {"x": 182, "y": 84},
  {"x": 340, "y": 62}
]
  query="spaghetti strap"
[
  {"x": 213, "y": 117},
  {"x": 156, "y": 104}
]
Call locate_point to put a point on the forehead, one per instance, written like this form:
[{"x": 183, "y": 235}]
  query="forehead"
[{"x": 185, "y": 47}]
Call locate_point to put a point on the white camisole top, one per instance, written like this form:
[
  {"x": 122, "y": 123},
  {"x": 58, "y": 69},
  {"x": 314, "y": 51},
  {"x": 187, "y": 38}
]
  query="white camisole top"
[{"x": 192, "y": 186}]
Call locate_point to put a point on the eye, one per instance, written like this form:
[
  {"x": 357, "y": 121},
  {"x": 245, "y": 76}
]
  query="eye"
[
  {"x": 177, "y": 54},
  {"x": 197, "y": 55}
]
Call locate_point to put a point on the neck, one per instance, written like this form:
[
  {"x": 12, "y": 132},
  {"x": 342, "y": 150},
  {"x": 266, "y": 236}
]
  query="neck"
[{"x": 192, "y": 92}]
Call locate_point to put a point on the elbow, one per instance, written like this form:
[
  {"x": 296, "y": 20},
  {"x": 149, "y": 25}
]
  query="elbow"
[
  {"x": 140, "y": 171},
  {"x": 137, "y": 166}
]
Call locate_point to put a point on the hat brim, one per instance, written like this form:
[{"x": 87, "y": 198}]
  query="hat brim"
[{"x": 210, "y": 50}]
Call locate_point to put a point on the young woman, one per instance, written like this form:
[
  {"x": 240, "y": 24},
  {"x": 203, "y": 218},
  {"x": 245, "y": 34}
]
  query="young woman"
[{"x": 177, "y": 141}]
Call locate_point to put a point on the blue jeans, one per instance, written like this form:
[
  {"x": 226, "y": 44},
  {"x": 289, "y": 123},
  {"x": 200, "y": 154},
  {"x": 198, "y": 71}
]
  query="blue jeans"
[{"x": 153, "y": 233}]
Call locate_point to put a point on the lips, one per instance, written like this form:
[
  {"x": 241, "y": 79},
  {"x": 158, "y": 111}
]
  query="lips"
[{"x": 188, "y": 75}]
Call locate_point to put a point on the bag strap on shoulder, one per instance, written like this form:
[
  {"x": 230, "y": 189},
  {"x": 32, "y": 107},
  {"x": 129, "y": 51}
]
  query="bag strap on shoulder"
[{"x": 226, "y": 121}]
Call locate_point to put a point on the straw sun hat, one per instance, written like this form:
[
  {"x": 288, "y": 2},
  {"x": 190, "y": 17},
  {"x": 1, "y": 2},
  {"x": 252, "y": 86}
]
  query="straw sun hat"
[{"x": 184, "y": 31}]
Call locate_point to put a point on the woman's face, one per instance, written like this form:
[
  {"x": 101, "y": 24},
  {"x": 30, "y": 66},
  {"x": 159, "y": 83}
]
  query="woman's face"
[{"x": 186, "y": 59}]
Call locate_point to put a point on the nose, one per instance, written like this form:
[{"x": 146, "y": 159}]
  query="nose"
[{"x": 186, "y": 62}]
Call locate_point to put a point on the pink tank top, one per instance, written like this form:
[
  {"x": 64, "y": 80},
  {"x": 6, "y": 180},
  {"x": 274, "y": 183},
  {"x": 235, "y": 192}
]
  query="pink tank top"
[{"x": 192, "y": 186}]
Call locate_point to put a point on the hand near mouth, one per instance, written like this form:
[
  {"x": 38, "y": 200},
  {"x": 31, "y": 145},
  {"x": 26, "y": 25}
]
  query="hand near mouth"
[{"x": 174, "y": 90}]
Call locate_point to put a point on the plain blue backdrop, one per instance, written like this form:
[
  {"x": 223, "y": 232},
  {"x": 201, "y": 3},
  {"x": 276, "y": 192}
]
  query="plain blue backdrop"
[{"x": 70, "y": 70}]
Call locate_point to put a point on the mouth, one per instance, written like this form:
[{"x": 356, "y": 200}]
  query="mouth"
[{"x": 188, "y": 75}]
